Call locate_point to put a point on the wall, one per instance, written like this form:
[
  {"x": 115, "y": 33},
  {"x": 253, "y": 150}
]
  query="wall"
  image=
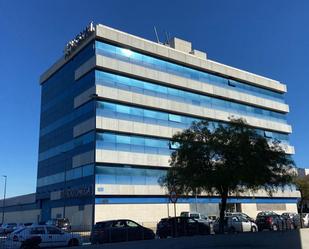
[
  {"x": 149, "y": 214},
  {"x": 251, "y": 209},
  {"x": 22, "y": 216},
  {"x": 79, "y": 216}
]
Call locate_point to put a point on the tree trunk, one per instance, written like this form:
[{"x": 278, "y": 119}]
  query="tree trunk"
[
  {"x": 301, "y": 212},
  {"x": 224, "y": 196}
]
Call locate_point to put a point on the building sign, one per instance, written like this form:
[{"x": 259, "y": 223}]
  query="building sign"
[
  {"x": 72, "y": 45},
  {"x": 82, "y": 191}
]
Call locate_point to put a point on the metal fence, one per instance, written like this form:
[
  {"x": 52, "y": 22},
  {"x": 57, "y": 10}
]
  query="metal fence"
[{"x": 83, "y": 233}]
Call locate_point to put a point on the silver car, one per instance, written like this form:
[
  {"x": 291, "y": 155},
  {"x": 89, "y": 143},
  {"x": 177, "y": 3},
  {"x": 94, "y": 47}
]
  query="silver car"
[{"x": 236, "y": 224}]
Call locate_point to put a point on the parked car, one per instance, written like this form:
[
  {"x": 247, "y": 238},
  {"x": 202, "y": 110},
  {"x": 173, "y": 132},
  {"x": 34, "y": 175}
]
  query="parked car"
[
  {"x": 7, "y": 228},
  {"x": 196, "y": 216},
  {"x": 119, "y": 230},
  {"x": 181, "y": 226},
  {"x": 31, "y": 243},
  {"x": 292, "y": 220},
  {"x": 235, "y": 224},
  {"x": 63, "y": 223},
  {"x": 245, "y": 216},
  {"x": 270, "y": 221},
  {"x": 305, "y": 218},
  {"x": 50, "y": 236}
]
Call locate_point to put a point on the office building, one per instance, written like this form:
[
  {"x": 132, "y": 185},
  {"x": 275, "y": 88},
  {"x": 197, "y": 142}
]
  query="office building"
[{"x": 110, "y": 105}]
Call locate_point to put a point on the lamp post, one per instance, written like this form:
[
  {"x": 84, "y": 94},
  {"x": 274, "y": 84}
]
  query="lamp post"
[
  {"x": 4, "y": 195},
  {"x": 65, "y": 184}
]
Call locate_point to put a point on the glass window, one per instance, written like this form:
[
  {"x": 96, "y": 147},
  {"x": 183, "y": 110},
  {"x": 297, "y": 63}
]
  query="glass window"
[
  {"x": 109, "y": 106},
  {"x": 268, "y": 134},
  {"x": 53, "y": 230},
  {"x": 175, "y": 118},
  {"x": 119, "y": 224},
  {"x": 132, "y": 224},
  {"x": 231, "y": 83},
  {"x": 122, "y": 139},
  {"x": 149, "y": 114},
  {"x": 137, "y": 140},
  {"x": 123, "y": 109},
  {"x": 37, "y": 230},
  {"x": 137, "y": 112},
  {"x": 107, "y": 137},
  {"x": 87, "y": 170}
]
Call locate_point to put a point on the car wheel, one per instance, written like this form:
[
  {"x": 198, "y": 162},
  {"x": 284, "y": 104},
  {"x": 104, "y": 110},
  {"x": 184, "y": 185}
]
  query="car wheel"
[
  {"x": 73, "y": 242},
  {"x": 253, "y": 229},
  {"x": 274, "y": 227}
]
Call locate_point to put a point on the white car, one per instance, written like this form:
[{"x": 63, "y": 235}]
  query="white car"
[
  {"x": 305, "y": 217},
  {"x": 51, "y": 236},
  {"x": 197, "y": 216},
  {"x": 236, "y": 224}
]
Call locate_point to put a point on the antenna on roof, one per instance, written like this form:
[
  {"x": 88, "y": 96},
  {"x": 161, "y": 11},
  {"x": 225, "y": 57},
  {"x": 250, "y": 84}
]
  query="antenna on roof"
[
  {"x": 167, "y": 38},
  {"x": 156, "y": 33}
]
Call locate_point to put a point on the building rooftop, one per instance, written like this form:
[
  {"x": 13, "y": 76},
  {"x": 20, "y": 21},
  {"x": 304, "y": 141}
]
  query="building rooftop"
[{"x": 177, "y": 50}]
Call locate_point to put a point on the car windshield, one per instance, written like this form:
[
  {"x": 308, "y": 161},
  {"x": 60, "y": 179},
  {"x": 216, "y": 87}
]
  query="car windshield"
[
  {"x": 194, "y": 216},
  {"x": 184, "y": 214}
]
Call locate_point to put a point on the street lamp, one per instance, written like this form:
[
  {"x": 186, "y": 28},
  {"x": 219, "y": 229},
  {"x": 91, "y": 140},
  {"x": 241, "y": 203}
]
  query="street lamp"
[
  {"x": 65, "y": 183},
  {"x": 4, "y": 195}
]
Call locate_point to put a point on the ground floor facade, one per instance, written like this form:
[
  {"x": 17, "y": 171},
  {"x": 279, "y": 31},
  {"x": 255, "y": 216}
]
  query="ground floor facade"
[{"x": 83, "y": 212}]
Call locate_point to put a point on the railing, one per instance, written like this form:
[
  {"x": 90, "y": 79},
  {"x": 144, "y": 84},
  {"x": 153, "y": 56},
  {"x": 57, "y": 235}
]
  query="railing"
[{"x": 173, "y": 230}]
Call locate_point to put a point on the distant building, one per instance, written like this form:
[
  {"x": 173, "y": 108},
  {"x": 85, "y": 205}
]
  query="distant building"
[{"x": 108, "y": 109}]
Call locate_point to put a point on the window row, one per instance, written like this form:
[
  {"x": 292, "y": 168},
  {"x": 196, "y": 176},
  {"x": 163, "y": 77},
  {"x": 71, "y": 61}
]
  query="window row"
[
  {"x": 71, "y": 174},
  {"x": 128, "y": 175},
  {"x": 119, "y": 111},
  {"x": 87, "y": 108},
  {"x": 168, "y": 67},
  {"x": 62, "y": 148},
  {"x": 131, "y": 143},
  {"x": 117, "y": 81},
  {"x": 85, "y": 82}
]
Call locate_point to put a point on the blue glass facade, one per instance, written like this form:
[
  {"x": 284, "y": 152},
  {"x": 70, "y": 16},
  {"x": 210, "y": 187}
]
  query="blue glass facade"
[
  {"x": 144, "y": 115},
  {"x": 172, "y": 68},
  {"x": 147, "y": 88},
  {"x": 57, "y": 145},
  {"x": 60, "y": 116}
]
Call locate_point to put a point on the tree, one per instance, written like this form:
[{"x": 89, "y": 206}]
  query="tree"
[
  {"x": 302, "y": 185},
  {"x": 225, "y": 159}
]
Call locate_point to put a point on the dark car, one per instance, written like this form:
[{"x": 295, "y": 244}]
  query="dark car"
[
  {"x": 181, "y": 226},
  {"x": 292, "y": 220},
  {"x": 119, "y": 230},
  {"x": 63, "y": 224},
  {"x": 270, "y": 221}
]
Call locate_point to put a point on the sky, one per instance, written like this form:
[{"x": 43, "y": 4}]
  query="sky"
[{"x": 266, "y": 37}]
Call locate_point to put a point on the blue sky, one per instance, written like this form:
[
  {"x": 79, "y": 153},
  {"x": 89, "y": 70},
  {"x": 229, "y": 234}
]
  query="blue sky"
[{"x": 267, "y": 37}]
